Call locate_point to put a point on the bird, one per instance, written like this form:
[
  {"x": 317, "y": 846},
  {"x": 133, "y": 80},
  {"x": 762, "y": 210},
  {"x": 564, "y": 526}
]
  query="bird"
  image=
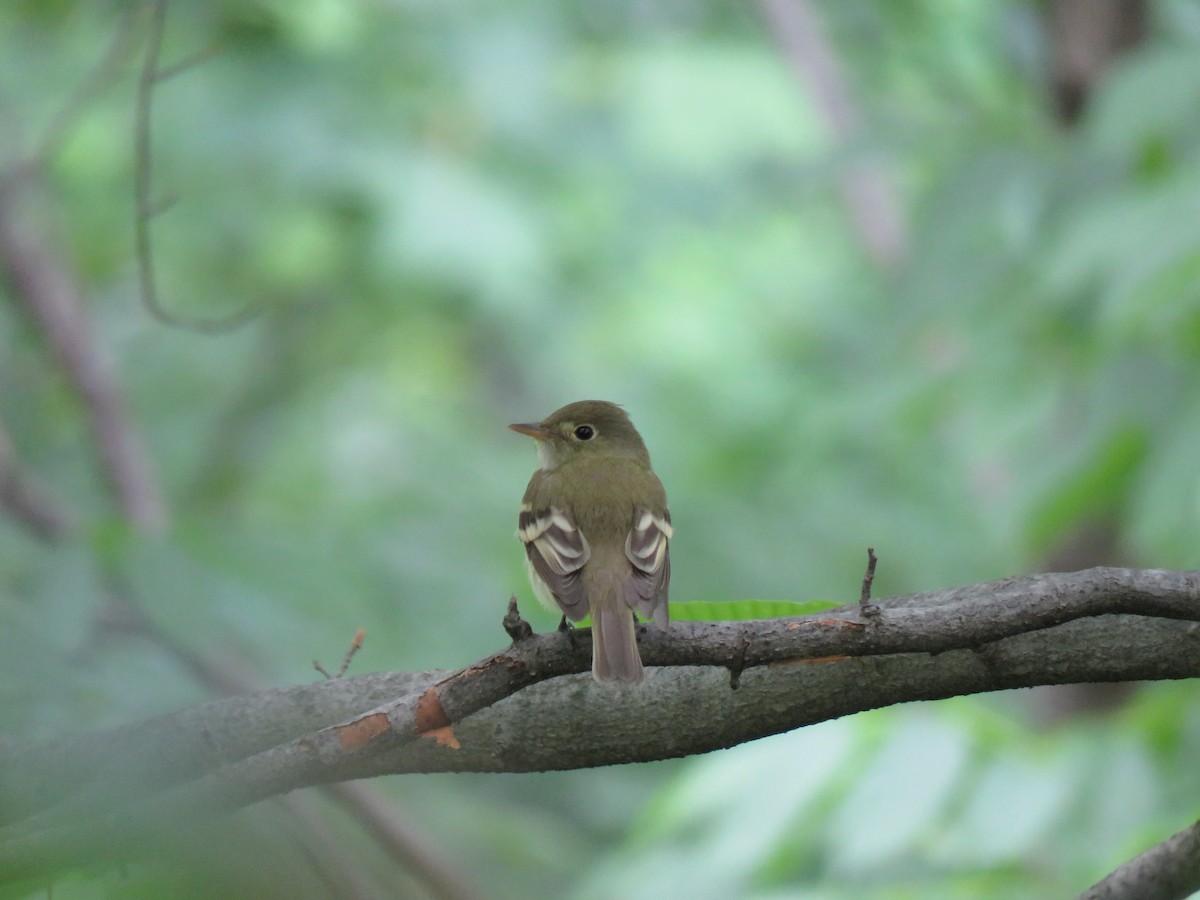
[{"x": 597, "y": 531}]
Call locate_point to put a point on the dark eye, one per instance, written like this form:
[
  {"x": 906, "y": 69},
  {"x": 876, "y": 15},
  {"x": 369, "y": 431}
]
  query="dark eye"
[{"x": 585, "y": 432}]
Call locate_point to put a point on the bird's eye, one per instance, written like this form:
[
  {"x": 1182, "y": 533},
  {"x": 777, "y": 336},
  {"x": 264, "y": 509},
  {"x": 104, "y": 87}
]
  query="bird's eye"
[{"x": 584, "y": 432}]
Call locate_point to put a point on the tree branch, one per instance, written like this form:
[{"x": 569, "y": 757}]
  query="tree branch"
[
  {"x": 1097, "y": 625},
  {"x": 1167, "y": 871}
]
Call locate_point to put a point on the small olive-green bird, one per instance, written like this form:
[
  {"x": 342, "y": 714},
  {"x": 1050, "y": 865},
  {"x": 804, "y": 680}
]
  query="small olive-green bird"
[{"x": 596, "y": 530}]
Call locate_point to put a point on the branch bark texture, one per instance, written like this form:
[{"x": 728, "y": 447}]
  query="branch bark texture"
[{"x": 1167, "y": 871}]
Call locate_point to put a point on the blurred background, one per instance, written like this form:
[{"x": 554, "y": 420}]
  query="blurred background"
[{"x": 917, "y": 275}]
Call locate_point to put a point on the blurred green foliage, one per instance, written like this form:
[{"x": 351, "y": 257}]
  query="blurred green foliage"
[{"x": 455, "y": 216}]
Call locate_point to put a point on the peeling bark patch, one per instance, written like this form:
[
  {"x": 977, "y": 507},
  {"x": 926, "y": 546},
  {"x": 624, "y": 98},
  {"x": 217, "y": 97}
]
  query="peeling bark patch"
[
  {"x": 430, "y": 714},
  {"x": 444, "y": 736},
  {"x": 839, "y": 623},
  {"x": 358, "y": 732}
]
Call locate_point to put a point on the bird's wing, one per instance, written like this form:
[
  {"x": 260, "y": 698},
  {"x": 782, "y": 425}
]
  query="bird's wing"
[
  {"x": 647, "y": 548},
  {"x": 557, "y": 551}
]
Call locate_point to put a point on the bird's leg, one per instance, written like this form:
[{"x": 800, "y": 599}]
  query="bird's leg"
[{"x": 568, "y": 628}]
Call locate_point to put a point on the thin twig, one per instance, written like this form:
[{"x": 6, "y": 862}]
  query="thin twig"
[
  {"x": 515, "y": 626},
  {"x": 864, "y": 598},
  {"x": 144, "y": 206},
  {"x": 355, "y": 646}
]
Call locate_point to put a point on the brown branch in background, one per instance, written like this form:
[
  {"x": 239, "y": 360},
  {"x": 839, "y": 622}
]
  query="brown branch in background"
[
  {"x": 321, "y": 849},
  {"x": 121, "y": 615},
  {"x": 1085, "y": 37},
  {"x": 145, "y": 208},
  {"x": 869, "y": 193},
  {"x": 403, "y": 841},
  {"x": 41, "y": 284},
  {"x": 28, "y": 502},
  {"x": 47, "y": 291}
]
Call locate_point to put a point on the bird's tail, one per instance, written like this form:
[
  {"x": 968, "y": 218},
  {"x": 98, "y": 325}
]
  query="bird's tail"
[{"x": 615, "y": 654}]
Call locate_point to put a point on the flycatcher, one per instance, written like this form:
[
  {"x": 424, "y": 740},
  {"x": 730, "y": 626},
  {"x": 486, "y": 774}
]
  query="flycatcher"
[{"x": 595, "y": 526}]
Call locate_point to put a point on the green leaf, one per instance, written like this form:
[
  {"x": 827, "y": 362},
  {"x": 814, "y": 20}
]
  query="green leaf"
[
  {"x": 738, "y": 610},
  {"x": 742, "y": 610}
]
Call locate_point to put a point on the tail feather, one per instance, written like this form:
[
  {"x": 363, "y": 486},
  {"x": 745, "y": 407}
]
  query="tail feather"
[{"x": 615, "y": 654}]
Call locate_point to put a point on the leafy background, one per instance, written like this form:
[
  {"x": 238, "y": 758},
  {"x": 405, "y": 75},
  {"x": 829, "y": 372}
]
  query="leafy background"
[{"x": 454, "y": 216}]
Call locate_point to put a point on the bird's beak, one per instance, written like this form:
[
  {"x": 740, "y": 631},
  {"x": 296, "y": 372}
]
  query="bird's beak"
[{"x": 535, "y": 431}]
